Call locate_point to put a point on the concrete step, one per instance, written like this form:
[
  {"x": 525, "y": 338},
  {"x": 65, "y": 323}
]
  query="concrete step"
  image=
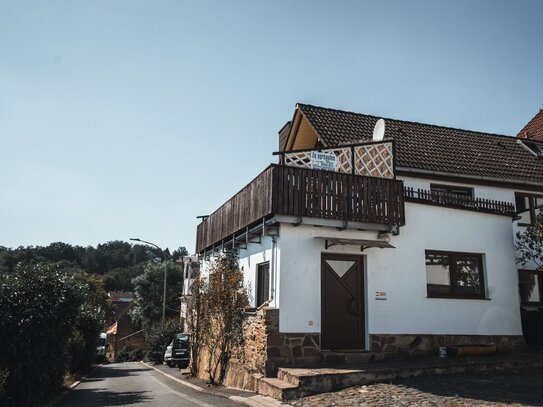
[
  {"x": 300, "y": 382},
  {"x": 277, "y": 388},
  {"x": 341, "y": 358}
]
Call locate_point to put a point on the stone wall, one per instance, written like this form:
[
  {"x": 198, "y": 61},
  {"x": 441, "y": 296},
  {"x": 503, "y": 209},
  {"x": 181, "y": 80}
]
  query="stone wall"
[
  {"x": 265, "y": 349},
  {"x": 292, "y": 349},
  {"x": 424, "y": 345},
  {"x": 250, "y": 361}
]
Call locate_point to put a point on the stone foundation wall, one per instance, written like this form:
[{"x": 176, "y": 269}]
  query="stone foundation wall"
[
  {"x": 265, "y": 349},
  {"x": 249, "y": 361},
  {"x": 397, "y": 345},
  {"x": 292, "y": 349}
]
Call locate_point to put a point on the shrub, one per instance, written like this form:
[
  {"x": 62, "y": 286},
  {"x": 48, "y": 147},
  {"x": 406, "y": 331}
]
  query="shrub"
[
  {"x": 127, "y": 354},
  {"x": 50, "y": 320},
  {"x": 4, "y": 373},
  {"x": 40, "y": 304},
  {"x": 158, "y": 337},
  {"x": 216, "y": 316}
]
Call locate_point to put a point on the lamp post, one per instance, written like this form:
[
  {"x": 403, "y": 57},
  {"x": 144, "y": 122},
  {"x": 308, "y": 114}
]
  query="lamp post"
[{"x": 165, "y": 270}]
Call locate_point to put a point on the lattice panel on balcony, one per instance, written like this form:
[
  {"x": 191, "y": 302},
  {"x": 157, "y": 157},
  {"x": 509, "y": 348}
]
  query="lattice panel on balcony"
[
  {"x": 344, "y": 160},
  {"x": 301, "y": 159},
  {"x": 374, "y": 160}
]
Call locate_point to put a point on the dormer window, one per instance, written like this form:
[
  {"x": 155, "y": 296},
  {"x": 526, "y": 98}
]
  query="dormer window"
[{"x": 532, "y": 147}]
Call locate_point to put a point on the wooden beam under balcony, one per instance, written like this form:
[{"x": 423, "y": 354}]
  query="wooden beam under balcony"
[{"x": 305, "y": 193}]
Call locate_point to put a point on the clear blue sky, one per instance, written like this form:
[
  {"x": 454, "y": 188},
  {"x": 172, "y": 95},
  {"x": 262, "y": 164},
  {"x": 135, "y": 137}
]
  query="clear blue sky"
[{"x": 127, "y": 119}]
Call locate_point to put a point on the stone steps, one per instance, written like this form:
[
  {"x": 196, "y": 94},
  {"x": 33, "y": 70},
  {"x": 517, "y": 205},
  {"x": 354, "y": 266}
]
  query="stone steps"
[
  {"x": 277, "y": 388},
  {"x": 293, "y": 383}
]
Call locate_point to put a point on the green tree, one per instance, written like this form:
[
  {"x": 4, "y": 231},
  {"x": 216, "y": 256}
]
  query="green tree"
[
  {"x": 39, "y": 305},
  {"x": 50, "y": 318},
  {"x": 90, "y": 321},
  {"x": 119, "y": 261},
  {"x": 148, "y": 293},
  {"x": 530, "y": 244},
  {"x": 179, "y": 253}
]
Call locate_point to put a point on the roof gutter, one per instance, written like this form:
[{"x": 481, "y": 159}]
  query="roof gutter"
[{"x": 508, "y": 181}]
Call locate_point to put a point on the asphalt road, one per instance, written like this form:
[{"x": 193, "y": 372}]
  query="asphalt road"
[{"x": 133, "y": 384}]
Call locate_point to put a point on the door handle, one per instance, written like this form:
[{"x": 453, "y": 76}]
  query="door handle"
[{"x": 354, "y": 307}]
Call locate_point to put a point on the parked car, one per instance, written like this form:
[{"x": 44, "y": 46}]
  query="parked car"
[
  {"x": 178, "y": 351},
  {"x": 101, "y": 347}
]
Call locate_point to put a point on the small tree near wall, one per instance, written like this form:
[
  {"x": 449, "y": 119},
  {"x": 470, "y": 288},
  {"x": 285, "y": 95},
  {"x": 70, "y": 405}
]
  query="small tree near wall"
[{"x": 216, "y": 316}]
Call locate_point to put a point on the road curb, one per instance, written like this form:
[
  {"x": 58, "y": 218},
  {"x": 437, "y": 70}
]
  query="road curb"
[
  {"x": 72, "y": 386},
  {"x": 252, "y": 401}
]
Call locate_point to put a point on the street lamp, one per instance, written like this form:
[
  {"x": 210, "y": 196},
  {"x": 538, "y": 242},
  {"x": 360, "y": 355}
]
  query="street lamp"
[{"x": 165, "y": 269}]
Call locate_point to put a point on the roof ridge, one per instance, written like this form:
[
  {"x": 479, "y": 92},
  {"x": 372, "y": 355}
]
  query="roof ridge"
[{"x": 407, "y": 121}]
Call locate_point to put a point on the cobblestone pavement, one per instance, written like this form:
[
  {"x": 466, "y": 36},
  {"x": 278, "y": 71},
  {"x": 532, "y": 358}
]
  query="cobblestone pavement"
[{"x": 484, "y": 389}]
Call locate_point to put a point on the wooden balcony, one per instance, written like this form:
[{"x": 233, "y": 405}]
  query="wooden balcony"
[{"x": 303, "y": 192}]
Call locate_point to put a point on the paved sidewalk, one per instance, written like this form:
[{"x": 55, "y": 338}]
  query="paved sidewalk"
[
  {"x": 521, "y": 388},
  {"x": 245, "y": 397}
]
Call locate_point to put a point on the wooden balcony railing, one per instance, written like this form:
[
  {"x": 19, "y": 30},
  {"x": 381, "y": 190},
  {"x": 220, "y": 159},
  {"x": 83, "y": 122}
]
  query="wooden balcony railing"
[
  {"x": 302, "y": 192},
  {"x": 458, "y": 201}
]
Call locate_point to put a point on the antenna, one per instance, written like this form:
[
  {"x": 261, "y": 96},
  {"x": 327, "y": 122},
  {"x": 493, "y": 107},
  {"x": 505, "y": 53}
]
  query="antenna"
[{"x": 379, "y": 130}]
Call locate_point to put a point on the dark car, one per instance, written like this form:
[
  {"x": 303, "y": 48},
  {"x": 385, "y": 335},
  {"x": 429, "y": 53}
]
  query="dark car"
[{"x": 178, "y": 351}]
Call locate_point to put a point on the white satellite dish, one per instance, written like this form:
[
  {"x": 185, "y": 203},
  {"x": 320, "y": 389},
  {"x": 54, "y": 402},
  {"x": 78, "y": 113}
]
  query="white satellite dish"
[{"x": 379, "y": 130}]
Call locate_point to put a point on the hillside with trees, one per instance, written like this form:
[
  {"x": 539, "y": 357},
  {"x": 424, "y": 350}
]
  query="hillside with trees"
[{"x": 116, "y": 261}]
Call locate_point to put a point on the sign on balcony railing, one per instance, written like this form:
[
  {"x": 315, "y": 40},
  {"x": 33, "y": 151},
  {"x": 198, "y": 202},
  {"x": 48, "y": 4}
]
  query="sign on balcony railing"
[{"x": 369, "y": 159}]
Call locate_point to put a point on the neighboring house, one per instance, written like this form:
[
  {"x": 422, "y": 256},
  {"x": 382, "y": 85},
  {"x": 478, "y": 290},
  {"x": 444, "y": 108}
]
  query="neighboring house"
[
  {"x": 530, "y": 280},
  {"x": 394, "y": 246},
  {"x": 190, "y": 269},
  {"x": 534, "y": 128},
  {"x": 122, "y": 331}
]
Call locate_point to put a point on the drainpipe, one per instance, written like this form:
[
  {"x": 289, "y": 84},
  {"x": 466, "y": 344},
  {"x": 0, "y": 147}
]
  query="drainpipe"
[{"x": 272, "y": 267}]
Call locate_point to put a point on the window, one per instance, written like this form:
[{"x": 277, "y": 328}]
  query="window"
[
  {"x": 528, "y": 206},
  {"x": 262, "y": 283},
  {"x": 530, "y": 287},
  {"x": 452, "y": 189},
  {"x": 454, "y": 275}
]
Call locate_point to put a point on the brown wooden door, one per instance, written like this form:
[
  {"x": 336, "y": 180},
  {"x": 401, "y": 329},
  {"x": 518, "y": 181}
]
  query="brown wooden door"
[{"x": 342, "y": 302}]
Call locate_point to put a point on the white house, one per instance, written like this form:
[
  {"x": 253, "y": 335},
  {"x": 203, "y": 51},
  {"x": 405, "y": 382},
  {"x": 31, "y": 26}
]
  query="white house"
[{"x": 392, "y": 238}]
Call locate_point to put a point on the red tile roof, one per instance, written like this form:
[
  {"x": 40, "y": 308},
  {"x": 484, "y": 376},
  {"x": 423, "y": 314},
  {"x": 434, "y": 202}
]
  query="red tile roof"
[
  {"x": 534, "y": 129},
  {"x": 120, "y": 295},
  {"x": 433, "y": 148}
]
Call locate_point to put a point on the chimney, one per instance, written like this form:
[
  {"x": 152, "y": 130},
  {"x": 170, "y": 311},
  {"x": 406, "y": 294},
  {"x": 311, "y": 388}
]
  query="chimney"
[{"x": 283, "y": 135}]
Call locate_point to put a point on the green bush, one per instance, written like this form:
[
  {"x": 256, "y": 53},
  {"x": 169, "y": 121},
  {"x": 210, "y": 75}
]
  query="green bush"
[
  {"x": 158, "y": 337},
  {"x": 4, "y": 373},
  {"x": 127, "y": 354},
  {"x": 45, "y": 310}
]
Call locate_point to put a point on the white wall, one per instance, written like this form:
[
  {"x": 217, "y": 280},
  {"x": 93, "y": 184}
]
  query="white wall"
[
  {"x": 480, "y": 191},
  {"x": 249, "y": 258},
  {"x": 255, "y": 254},
  {"x": 401, "y": 273}
]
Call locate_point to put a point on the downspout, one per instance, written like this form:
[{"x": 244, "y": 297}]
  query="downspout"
[{"x": 273, "y": 272}]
